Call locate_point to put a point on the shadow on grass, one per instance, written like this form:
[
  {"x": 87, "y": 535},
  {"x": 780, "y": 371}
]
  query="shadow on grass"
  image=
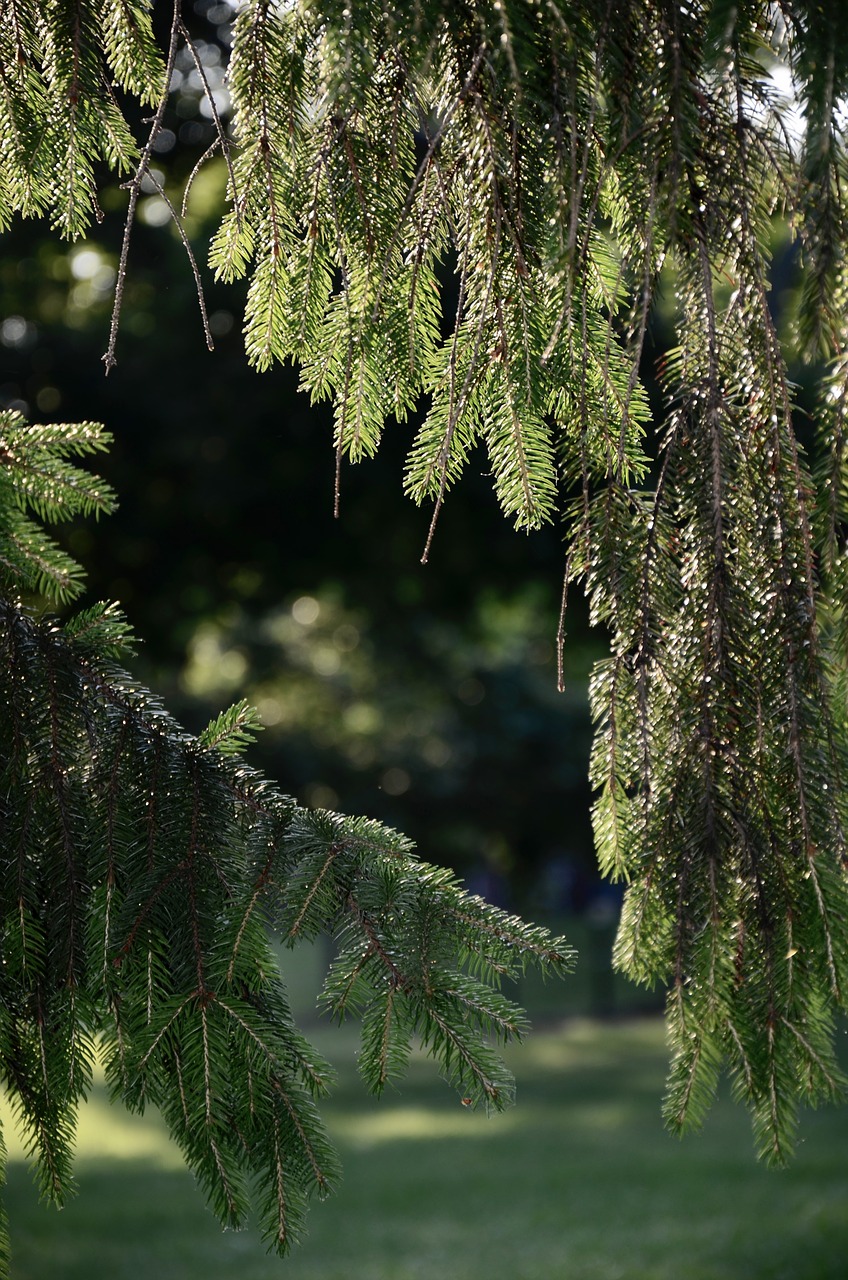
[{"x": 578, "y": 1182}]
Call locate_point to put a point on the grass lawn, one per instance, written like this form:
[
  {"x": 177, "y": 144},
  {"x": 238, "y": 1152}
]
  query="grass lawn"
[{"x": 578, "y": 1182}]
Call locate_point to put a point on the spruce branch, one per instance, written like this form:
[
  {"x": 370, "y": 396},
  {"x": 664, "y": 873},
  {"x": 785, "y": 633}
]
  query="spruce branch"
[{"x": 166, "y": 931}]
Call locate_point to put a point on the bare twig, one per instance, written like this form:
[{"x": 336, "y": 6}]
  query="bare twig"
[
  {"x": 135, "y": 186},
  {"x": 194, "y": 267},
  {"x": 222, "y": 139}
]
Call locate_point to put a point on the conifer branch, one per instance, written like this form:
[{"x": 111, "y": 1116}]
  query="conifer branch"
[
  {"x": 457, "y": 402},
  {"x": 424, "y": 167}
]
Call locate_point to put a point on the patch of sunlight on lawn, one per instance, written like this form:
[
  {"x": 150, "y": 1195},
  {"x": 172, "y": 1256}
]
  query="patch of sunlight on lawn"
[
  {"x": 106, "y": 1132},
  {"x": 398, "y": 1123},
  {"x": 401, "y": 1123},
  {"x": 583, "y": 1044}
]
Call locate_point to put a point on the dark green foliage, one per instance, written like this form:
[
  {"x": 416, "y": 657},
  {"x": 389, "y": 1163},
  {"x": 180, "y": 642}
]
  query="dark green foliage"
[{"x": 141, "y": 871}]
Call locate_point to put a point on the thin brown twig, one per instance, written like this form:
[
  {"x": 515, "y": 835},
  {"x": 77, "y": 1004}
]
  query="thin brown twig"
[
  {"x": 210, "y": 150},
  {"x": 222, "y": 139},
  {"x": 134, "y": 188},
  {"x": 207, "y": 333}
]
